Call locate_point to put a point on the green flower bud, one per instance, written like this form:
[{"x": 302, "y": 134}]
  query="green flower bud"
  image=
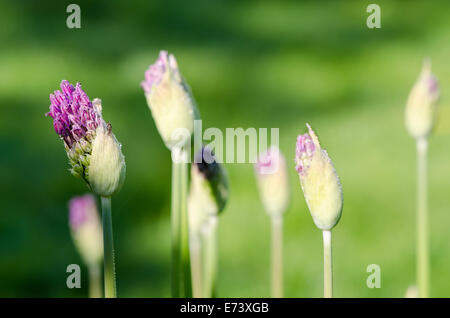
[
  {"x": 208, "y": 191},
  {"x": 170, "y": 100},
  {"x": 107, "y": 164},
  {"x": 273, "y": 181},
  {"x": 421, "y": 105}
]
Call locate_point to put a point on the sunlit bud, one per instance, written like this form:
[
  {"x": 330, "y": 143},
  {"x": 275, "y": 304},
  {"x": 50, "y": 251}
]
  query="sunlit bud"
[
  {"x": 272, "y": 180},
  {"x": 208, "y": 192},
  {"x": 107, "y": 163},
  {"x": 421, "y": 106},
  {"x": 170, "y": 100},
  {"x": 319, "y": 181},
  {"x": 86, "y": 228}
]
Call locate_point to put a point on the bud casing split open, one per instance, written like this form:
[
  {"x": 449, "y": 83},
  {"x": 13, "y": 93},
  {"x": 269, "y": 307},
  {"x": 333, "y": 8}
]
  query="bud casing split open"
[
  {"x": 170, "y": 100},
  {"x": 107, "y": 166},
  {"x": 208, "y": 192},
  {"x": 94, "y": 153},
  {"x": 319, "y": 180}
]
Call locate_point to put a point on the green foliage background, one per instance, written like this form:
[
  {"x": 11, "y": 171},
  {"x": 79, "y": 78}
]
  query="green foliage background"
[{"x": 249, "y": 64}]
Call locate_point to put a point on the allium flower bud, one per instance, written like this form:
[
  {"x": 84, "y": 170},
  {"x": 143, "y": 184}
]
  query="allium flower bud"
[
  {"x": 86, "y": 228},
  {"x": 273, "y": 182},
  {"x": 107, "y": 167},
  {"x": 319, "y": 181},
  {"x": 170, "y": 100},
  {"x": 209, "y": 188},
  {"x": 421, "y": 106},
  {"x": 94, "y": 153}
]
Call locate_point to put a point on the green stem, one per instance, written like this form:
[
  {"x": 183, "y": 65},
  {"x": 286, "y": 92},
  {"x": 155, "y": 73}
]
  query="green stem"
[
  {"x": 210, "y": 241},
  {"x": 109, "y": 270},
  {"x": 196, "y": 265},
  {"x": 327, "y": 266},
  {"x": 277, "y": 256},
  {"x": 423, "y": 266},
  {"x": 95, "y": 281},
  {"x": 175, "y": 231},
  {"x": 181, "y": 271},
  {"x": 185, "y": 257}
]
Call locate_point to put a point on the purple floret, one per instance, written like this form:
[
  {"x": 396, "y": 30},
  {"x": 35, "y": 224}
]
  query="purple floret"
[
  {"x": 72, "y": 112},
  {"x": 268, "y": 161},
  {"x": 155, "y": 72},
  {"x": 304, "y": 152},
  {"x": 433, "y": 85},
  {"x": 80, "y": 210}
]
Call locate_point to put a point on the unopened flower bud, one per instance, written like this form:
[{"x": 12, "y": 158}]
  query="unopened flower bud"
[
  {"x": 319, "y": 181},
  {"x": 107, "y": 164},
  {"x": 421, "y": 105},
  {"x": 208, "y": 192},
  {"x": 86, "y": 228},
  {"x": 94, "y": 153},
  {"x": 170, "y": 100},
  {"x": 273, "y": 182}
]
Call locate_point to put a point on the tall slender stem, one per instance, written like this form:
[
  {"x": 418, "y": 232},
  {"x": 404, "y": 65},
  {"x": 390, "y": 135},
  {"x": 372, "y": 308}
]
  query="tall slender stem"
[
  {"x": 185, "y": 257},
  {"x": 175, "y": 230},
  {"x": 327, "y": 266},
  {"x": 210, "y": 241},
  {"x": 109, "y": 269},
  {"x": 423, "y": 265},
  {"x": 95, "y": 281},
  {"x": 196, "y": 265},
  {"x": 277, "y": 256},
  {"x": 181, "y": 271}
]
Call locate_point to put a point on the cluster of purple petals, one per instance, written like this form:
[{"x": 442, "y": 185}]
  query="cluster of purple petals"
[
  {"x": 72, "y": 112},
  {"x": 304, "y": 152},
  {"x": 155, "y": 72},
  {"x": 80, "y": 210}
]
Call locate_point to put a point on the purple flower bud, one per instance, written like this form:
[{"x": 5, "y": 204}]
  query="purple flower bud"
[
  {"x": 94, "y": 153},
  {"x": 86, "y": 228},
  {"x": 268, "y": 162},
  {"x": 72, "y": 112},
  {"x": 82, "y": 209}
]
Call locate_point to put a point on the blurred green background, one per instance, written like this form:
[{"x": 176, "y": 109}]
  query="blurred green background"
[{"x": 249, "y": 64}]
